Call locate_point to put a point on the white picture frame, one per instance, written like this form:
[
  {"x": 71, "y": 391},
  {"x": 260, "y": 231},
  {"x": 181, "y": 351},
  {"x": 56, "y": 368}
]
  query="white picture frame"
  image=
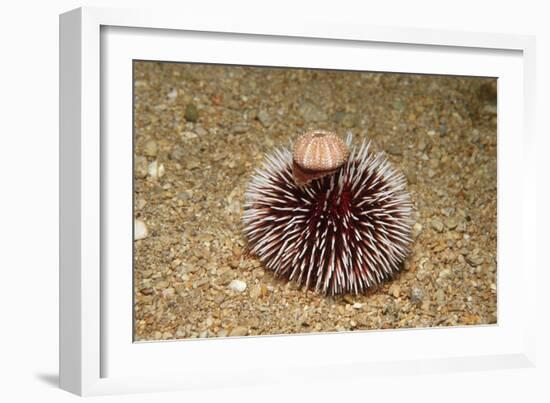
[{"x": 97, "y": 354}]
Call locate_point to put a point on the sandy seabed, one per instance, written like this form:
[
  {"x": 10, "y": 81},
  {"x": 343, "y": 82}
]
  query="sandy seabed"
[{"x": 201, "y": 131}]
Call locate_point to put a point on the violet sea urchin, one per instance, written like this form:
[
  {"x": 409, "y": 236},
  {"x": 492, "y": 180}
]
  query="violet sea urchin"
[{"x": 342, "y": 233}]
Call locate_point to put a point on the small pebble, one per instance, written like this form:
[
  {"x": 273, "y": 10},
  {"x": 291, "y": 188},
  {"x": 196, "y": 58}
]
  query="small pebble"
[
  {"x": 416, "y": 294},
  {"x": 140, "y": 164},
  {"x": 140, "y": 230},
  {"x": 172, "y": 94},
  {"x": 394, "y": 150},
  {"x": 200, "y": 131},
  {"x": 237, "y": 285},
  {"x": 264, "y": 118},
  {"x": 155, "y": 170},
  {"x": 239, "y": 129},
  {"x": 474, "y": 260},
  {"x": 440, "y": 296},
  {"x": 411, "y": 177},
  {"x": 445, "y": 274},
  {"x": 140, "y": 203},
  {"x": 451, "y": 223},
  {"x": 239, "y": 331},
  {"x": 490, "y": 109},
  {"x": 151, "y": 148},
  {"x": 395, "y": 290},
  {"x": 437, "y": 225},
  {"x": 256, "y": 291},
  {"x": 193, "y": 163},
  {"x": 191, "y": 113},
  {"x": 417, "y": 229},
  {"x": 311, "y": 112},
  {"x": 188, "y": 135},
  {"x": 349, "y": 121}
]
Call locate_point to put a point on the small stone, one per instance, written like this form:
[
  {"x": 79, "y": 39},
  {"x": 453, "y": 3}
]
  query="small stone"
[
  {"x": 445, "y": 274},
  {"x": 239, "y": 331},
  {"x": 417, "y": 229},
  {"x": 192, "y": 163},
  {"x": 437, "y": 225},
  {"x": 162, "y": 284},
  {"x": 150, "y": 149},
  {"x": 395, "y": 290},
  {"x": 264, "y": 118},
  {"x": 448, "y": 211},
  {"x": 311, "y": 112},
  {"x": 474, "y": 260},
  {"x": 431, "y": 133},
  {"x": 140, "y": 203},
  {"x": 172, "y": 94},
  {"x": 140, "y": 230},
  {"x": 201, "y": 283},
  {"x": 411, "y": 177},
  {"x": 348, "y": 298},
  {"x": 155, "y": 170},
  {"x": 187, "y": 135},
  {"x": 168, "y": 292},
  {"x": 191, "y": 113},
  {"x": 185, "y": 196},
  {"x": 357, "y": 305},
  {"x": 421, "y": 274},
  {"x": 339, "y": 116},
  {"x": 200, "y": 131},
  {"x": 416, "y": 295},
  {"x": 237, "y": 285},
  {"x": 239, "y": 129},
  {"x": 222, "y": 333},
  {"x": 394, "y": 149},
  {"x": 421, "y": 145},
  {"x": 490, "y": 109},
  {"x": 146, "y": 291},
  {"x": 256, "y": 291},
  {"x": 399, "y": 105},
  {"x": 440, "y": 296},
  {"x": 349, "y": 121},
  {"x": 177, "y": 153},
  {"x": 140, "y": 163},
  {"x": 451, "y": 223}
]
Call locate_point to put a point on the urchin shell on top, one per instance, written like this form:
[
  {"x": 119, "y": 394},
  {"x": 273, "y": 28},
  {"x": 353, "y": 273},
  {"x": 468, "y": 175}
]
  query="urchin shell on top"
[
  {"x": 320, "y": 150},
  {"x": 342, "y": 233}
]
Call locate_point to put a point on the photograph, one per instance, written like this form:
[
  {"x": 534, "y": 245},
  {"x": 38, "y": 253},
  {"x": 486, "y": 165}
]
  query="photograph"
[{"x": 288, "y": 200}]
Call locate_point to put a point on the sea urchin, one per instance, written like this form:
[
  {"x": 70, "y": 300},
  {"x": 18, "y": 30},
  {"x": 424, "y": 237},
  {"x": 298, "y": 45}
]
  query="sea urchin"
[{"x": 342, "y": 233}]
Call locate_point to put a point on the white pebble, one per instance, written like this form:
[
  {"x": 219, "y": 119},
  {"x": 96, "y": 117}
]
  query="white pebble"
[
  {"x": 140, "y": 230},
  {"x": 155, "y": 169},
  {"x": 357, "y": 305},
  {"x": 152, "y": 169},
  {"x": 237, "y": 285},
  {"x": 187, "y": 135},
  {"x": 172, "y": 94}
]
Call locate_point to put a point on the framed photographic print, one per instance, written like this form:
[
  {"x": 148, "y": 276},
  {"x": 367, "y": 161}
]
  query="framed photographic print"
[{"x": 245, "y": 199}]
